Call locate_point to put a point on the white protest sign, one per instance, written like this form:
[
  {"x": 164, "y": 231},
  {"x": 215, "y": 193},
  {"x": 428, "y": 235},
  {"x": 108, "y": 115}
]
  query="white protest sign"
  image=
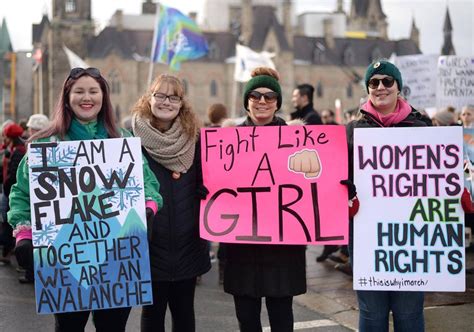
[
  {"x": 409, "y": 231},
  {"x": 455, "y": 81},
  {"x": 419, "y": 79}
]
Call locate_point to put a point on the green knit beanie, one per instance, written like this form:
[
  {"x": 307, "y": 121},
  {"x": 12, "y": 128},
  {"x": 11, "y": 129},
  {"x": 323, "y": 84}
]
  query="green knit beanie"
[
  {"x": 383, "y": 67},
  {"x": 262, "y": 81}
]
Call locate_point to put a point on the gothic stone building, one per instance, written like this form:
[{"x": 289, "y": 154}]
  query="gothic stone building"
[{"x": 327, "y": 59}]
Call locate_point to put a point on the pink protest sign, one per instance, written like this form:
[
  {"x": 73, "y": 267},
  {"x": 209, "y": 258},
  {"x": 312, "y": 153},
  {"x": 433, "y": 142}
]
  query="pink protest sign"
[{"x": 275, "y": 185}]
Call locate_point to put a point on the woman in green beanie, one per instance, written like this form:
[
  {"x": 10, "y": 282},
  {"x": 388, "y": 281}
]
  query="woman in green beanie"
[
  {"x": 276, "y": 272},
  {"x": 386, "y": 109}
]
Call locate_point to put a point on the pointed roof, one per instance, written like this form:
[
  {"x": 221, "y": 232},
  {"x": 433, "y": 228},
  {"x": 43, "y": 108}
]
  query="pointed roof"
[
  {"x": 361, "y": 7},
  {"x": 5, "y": 42},
  {"x": 447, "y": 22},
  {"x": 266, "y": 21}
]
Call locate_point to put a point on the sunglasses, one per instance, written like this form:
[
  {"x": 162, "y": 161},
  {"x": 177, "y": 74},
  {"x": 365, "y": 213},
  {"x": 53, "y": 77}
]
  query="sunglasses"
[
  {"x": 78, "y": 72},
  {"x": 269, "y": 97},
  {"x": 386, "y": 81}
]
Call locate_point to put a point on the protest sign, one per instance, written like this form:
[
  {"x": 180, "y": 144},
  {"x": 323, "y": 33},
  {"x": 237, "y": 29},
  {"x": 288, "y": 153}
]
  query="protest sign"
[
  {"x": 409, "y": 231},
  {"x": 419, "y": 79},
  {"x": 455, "y": 81},
  {"x": 275, "y": 185},
  {"x": 89, "y": 225}
]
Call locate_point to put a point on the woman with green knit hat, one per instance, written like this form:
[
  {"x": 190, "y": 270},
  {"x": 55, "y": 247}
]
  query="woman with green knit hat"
[
  {"x": 386, "y": 109},
  {"x": 276, "y": 272}
]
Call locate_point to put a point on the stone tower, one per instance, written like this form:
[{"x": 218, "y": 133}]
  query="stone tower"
[
  {"x": 71, "y": 26},
  {"x": 448, "y": 47},
  {"x": 368, "y": 17},
  {"x": 415, "y": 33}
]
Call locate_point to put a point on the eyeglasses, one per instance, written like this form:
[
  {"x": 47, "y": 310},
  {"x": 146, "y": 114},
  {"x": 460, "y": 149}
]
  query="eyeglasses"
[
  {"x": 386, "y": 81},
  {"x": 78, "y": 72},
  {"x": 269, "y": 97},
  {"x": 161, "y": 97}
]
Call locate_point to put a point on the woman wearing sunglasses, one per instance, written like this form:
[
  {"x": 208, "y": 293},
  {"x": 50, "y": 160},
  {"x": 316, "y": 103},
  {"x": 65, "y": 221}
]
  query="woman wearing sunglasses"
[
  {"x": 276, "y": 272},
  {"x": 169, "y": 130},
  {"x": 83, "y": 112},
  {"x": 384, "y": 109}
]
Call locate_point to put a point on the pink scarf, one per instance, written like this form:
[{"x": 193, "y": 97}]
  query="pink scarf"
[{"x": 398, "y": 115}]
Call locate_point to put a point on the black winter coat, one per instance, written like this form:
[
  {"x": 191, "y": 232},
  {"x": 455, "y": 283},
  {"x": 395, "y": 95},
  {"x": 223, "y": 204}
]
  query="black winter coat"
[
  {"x": 176, "y": 250},
  {"x": 308, "y": 115},
  {"x": 265, "y": 270}
]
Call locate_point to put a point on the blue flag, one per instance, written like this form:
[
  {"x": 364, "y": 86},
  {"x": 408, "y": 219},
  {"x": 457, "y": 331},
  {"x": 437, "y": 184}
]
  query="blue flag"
[{"x": 177, "y": 38}]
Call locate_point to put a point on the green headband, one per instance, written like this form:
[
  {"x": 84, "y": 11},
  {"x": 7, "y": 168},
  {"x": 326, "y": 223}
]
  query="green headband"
[{"x": 262, "y": 81}]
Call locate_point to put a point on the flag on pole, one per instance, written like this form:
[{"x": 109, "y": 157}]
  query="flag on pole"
[
  {"x": 74, "y": 59},
  {"x": 177, "y": 38},
  {"x": 246, "y": 60}
]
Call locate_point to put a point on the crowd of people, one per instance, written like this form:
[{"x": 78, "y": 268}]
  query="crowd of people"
[{"x": 169, "y": 130}]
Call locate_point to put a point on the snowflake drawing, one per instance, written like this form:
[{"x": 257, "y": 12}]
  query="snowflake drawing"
[
  {"x": 46, "y": 235},
  {"x": 56, "y": 157},
  {"x": 125, "y": 197}
]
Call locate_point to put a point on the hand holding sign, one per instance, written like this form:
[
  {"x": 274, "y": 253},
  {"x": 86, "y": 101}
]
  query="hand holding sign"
[{"x": 307, "y": 162}]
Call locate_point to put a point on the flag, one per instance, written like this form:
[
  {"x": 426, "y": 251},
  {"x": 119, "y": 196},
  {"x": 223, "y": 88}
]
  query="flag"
[
  {"x": 177, "y": 38},
  {"x": 246, "y": 60},
  {"x": 74, "y": 59}
]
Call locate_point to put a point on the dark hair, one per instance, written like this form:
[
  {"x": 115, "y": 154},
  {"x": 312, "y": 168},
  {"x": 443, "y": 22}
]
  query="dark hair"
[
  {"x": 306, "y": 90},
  {"x": 331, "y": 112},
  {"x": 63, "y": 114},
  {"x": 216, "y": 113}
]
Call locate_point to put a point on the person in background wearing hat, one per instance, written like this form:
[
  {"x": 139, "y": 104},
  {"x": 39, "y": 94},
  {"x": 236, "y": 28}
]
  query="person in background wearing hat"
[
  {"x": 83, "y": 112},
  {"x": 385, "y": 109},
  {"x": 169, "y": 129},
  {"x": 276, "y": 272},
  {"x": 36, "y": 123},
  {"x": 303, "y": 102},
  {"x": 14, "y": 150}
]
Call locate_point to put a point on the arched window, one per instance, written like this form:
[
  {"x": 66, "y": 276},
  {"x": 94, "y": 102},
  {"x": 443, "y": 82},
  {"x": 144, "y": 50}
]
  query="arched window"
[
  {"x": 115, "y": 83},
  {"x": 319, "y": 90},
  {"x": 213, "y": 88},
  {"x": 349, "y": 56},
  {"x": 214, "y": 51},
  {"x": 318, "y": 53},
  {"x": 70, "y": 6},
  {"x": 349, "y": 91}
]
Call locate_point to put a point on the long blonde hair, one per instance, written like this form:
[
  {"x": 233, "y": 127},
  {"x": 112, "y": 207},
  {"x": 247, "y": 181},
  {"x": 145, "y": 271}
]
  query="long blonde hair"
[{"x": 189, "y": 120}]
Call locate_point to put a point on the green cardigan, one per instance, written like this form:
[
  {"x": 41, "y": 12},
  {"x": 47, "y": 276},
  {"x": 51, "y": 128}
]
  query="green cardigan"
[{"x": 20, "y": 213}]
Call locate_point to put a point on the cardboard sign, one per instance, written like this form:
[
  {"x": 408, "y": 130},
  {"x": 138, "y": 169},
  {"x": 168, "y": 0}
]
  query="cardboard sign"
[
  {"x": 89, "y": 225},
  {"x": 409, "y": 231},
  {"x": 419, "y": 79},
  {"x": 275, "y": 185},
  {"x": 455, "y": 81}
]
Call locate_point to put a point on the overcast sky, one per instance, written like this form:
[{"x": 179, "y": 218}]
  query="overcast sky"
[{"x": 429, "y": 17}]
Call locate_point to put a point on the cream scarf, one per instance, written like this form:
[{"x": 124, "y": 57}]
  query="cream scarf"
[{"x": 173, "y": 149}]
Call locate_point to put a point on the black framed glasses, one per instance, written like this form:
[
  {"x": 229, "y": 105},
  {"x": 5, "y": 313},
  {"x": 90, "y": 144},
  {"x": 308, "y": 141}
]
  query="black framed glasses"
[
  {"x": 386, "y": 81},
  {"x": 161, "y": 97},
  {"x": 269, "y": 97},
  {"x": 78, "y": 72}
]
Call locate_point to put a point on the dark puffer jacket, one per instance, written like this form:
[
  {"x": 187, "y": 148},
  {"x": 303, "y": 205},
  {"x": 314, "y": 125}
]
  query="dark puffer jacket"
[
  {"x": 265, "y": 270},
  {"x": 176, "y": 250}
]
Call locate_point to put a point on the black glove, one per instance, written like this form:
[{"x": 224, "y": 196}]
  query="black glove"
[
  {"x": 150, "y": 216},
  {"x": 350, "y": 187},
  {"x": 201, "y": 192}
]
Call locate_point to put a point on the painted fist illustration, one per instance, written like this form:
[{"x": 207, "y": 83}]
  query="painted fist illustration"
[{"x": 306, "y": 162}]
